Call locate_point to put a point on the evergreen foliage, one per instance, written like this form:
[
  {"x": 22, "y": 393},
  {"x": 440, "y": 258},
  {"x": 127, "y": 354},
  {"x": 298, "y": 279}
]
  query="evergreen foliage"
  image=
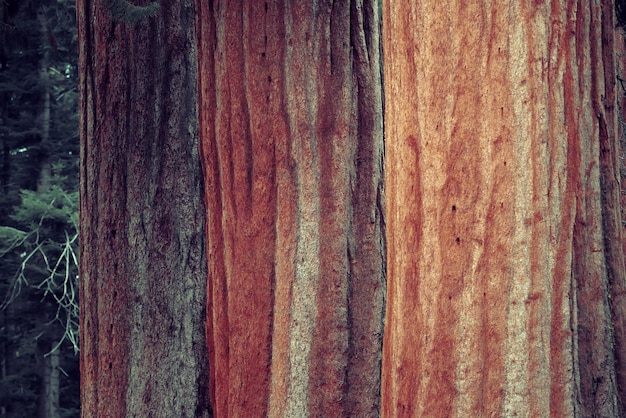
[
  {"x": 38, "y": 221},
  {"x": 125, "y": 11}
]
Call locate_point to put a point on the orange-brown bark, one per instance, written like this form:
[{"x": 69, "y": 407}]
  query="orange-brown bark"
[
  {"x": 505, "y": 276},
  {"x": 291, "y": 125}
]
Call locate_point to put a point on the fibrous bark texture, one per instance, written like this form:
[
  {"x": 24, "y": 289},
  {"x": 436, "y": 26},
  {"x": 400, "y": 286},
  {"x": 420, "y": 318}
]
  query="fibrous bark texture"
[
  {"x": 506, "y": 276},
  {"x": 291, "y": 127},
  {"x": 620, "y": 90},
  {"x": 143, "y": 259}
]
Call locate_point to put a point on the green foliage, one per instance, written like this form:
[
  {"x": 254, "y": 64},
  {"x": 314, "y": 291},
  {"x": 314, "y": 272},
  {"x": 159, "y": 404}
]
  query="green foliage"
[
  {"x": 52, "y": 207},
  {"x": 41, "y": 299},
  {"x": 10, "y": 238},
  {"x": 46, "y": 241},
  {"x": 125, "y": 11}
]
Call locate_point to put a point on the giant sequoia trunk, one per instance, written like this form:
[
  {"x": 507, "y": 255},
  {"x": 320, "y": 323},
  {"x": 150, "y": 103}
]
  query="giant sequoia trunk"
[
  {"x": 506, "y": 276},
  {"x": 620, "y": 87},
  {"x": 291, "y": 126},
  {"x": 143, "y": 265}
]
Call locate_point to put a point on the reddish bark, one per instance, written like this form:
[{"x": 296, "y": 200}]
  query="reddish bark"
[
  {"x": 291, "y": 126},
  {"x": 143, "y": 265},
  {"x": 505, "y": 293},
  {"x": 620, "y": 90},
  {"x": 506, "y": 275}
]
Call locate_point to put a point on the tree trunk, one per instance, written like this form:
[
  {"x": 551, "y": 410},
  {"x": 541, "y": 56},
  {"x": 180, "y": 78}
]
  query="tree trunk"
[
  {"x": 43, "y": 119},
  {"x": 620, "y": 90},
  {"x": 506, "y": 275},
  {"x": 48, "y": 363},
  {"x": 291, "y": 127},
  {"x": 143, "y": 258}
]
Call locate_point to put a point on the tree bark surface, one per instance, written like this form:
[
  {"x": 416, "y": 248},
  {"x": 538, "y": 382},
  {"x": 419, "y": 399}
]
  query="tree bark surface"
[
  {"x": 620, "y": 69},
  {"x": 291, "y": 127},
  {"x": 506, "y": 275},
  {"x": 143, "y": 259}
]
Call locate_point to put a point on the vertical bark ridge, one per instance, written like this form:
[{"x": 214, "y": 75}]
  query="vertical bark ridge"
[
  {"x": 366, "y": 245},
  {"x": 498, "y": 238},
  {"x": 599, "y": 268},
  {"x": 610, "y": 186},
  {"x": 291, "y": 122},
  {"x": 620, "y": 67},
  {"x": 217, "y": 303},
  {"x": 143, "y": 265}
]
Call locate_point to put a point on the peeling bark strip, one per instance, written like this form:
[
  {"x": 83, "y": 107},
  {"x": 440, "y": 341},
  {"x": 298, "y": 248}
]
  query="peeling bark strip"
[
  {"x": 143, "y": 259},
  {"x": 291, "y": 127},
  {"x": 505, "y": 271}
]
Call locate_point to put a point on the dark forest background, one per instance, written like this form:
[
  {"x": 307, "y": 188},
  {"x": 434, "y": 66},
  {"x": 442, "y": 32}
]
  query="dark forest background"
[{"x": 39, "y": 374}]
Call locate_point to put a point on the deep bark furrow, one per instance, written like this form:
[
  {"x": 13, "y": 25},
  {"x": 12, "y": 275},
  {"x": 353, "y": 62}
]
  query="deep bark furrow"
[{"x": 304, "y": 121}]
